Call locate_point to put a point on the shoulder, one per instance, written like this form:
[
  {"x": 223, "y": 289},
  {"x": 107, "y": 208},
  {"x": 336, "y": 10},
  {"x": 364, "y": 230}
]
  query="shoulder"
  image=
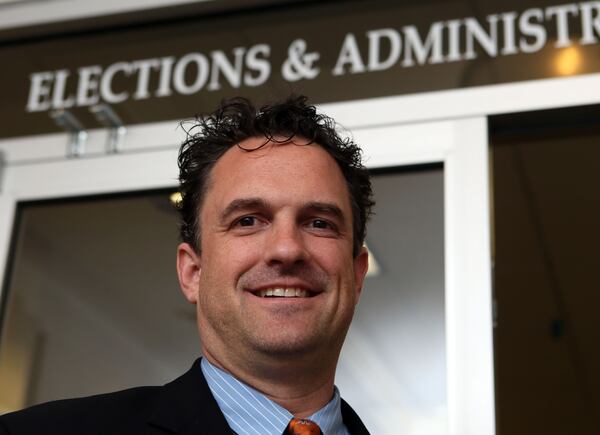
[
  {"x": 182, "y": 404},
  {"x": 90, "y": 415}
]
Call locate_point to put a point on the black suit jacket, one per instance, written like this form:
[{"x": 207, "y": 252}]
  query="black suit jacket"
[{"x": 183, "y": 407}]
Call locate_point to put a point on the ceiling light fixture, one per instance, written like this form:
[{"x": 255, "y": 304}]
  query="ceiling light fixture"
[{"x": 374, "y": 269}]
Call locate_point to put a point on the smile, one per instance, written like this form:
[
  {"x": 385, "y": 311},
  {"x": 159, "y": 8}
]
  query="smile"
[{"x": 279, "y": 292}]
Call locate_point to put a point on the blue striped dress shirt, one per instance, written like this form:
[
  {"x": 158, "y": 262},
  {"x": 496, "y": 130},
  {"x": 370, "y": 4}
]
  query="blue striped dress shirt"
[{"x": 250, "y": 412}]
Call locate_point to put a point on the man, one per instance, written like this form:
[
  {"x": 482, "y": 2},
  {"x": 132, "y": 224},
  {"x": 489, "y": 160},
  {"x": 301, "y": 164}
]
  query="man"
[{"x": 274, "y": 207}]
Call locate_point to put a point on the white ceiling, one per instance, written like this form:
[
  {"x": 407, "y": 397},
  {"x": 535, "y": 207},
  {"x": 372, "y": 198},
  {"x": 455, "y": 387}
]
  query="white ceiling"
[{"x": 35, "y": 12}]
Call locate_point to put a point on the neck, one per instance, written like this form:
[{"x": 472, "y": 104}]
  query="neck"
[{"x": 302, "y": 387}]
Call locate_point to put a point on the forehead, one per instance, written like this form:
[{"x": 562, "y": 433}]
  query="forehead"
[{"x": 280, "y": 172}]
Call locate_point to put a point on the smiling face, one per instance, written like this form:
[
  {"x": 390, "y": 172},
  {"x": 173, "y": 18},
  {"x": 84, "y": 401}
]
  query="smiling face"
[{"x": 275, "y": 275}]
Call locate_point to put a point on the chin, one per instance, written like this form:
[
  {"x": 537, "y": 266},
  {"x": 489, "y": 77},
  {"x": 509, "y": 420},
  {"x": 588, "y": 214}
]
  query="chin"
[{"x": 291, "y": 346}]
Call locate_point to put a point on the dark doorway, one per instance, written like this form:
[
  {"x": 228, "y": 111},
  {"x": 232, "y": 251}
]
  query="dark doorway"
[{"x": 546, "y": 209}]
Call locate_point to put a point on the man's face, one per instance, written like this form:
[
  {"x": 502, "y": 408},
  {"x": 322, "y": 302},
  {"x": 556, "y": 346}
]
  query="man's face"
[{"x": 275, "y": 274}]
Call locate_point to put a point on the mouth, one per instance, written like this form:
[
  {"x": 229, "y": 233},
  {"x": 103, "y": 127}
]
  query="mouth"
[{"x": 284, "y": 292}]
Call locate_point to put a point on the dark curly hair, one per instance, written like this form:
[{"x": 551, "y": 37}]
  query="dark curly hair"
[{"x": 236, "y": 120}]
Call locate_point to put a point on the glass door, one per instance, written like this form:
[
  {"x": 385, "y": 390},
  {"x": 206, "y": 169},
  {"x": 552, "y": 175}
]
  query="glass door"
[{"x": 91, "y": 275}]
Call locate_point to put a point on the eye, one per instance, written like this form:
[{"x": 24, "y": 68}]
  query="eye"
[
  {"x": 246, "y": 221},
  {"x": 322, "y": 227},
  {"x": 321, "y": 224}
]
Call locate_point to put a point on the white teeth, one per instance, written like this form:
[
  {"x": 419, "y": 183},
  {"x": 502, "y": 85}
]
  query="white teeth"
[
  {"x": 283, "y": 292},
  {"x": 301, "y": 293}
]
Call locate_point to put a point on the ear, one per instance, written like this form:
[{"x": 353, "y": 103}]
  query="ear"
[
  {"x": 361, "y": 265},
  {"x": 189, "y": 267}
]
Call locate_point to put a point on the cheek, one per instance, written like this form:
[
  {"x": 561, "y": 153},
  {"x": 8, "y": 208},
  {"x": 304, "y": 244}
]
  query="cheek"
[
  {"x": 335, "y": 260},
  {"x": 231, "y": 258}
]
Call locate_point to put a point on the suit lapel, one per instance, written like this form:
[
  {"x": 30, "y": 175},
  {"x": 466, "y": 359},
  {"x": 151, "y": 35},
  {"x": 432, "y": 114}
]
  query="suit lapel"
[
  {"x": 352, "y": 421},
  {"x": 186, "y": 406}
]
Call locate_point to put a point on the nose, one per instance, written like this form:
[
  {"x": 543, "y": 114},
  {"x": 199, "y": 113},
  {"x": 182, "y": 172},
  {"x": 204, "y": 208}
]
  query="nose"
[{"x": 285, "y": 245}]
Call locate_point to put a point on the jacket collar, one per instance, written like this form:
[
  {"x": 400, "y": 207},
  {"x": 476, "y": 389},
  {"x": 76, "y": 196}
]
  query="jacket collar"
[
  {"x": 186, "y": 406},
  {"x": 352, "y": 421}
]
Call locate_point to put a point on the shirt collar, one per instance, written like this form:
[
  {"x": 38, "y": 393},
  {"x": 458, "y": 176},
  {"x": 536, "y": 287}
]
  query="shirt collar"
[{"x": 248, "y": 411}]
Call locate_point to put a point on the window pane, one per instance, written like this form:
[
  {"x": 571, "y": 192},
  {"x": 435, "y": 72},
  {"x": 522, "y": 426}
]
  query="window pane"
[
  {"x": 393, "y": 366},
  {"x": 94, "y": 305}
]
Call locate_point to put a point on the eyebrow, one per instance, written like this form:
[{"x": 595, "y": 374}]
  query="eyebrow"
[
  {"x": 325, "y": 207},
  {"x": 243, "y": 204},
  {"x": 259, "y": 203}
]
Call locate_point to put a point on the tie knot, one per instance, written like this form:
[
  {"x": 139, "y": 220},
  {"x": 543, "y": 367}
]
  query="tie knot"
[{"x": 302, "y": 426}]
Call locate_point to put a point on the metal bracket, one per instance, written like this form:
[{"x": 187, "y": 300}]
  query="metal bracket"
[
  {"x": 68, "y": 121},
  {"x": 106, "y": 116}
]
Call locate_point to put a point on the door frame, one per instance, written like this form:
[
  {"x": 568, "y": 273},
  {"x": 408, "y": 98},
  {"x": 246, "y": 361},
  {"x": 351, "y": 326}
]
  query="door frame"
[
  {"x": 448, "y": 127},
  {"x": 460, "y": 145}
]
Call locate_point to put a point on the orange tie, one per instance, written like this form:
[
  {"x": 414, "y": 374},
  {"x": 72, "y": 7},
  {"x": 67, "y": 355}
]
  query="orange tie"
[{"x": 300, "y": 426}]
